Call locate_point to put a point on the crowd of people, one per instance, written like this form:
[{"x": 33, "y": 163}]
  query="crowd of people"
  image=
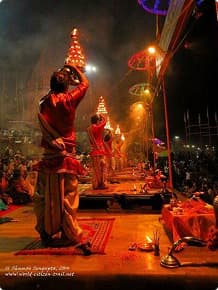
[
  {"x": 196, "y": 177},
  {"x": 189, "y": 178}
]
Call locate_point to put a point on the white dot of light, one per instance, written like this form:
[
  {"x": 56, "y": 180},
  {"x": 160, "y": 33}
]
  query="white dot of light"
[
  {"x": 139, "y": 107},
  {"x": 151, "y": 49},
  {"x": 91, "y": 68},
  {"x": 1, "y": 2}
]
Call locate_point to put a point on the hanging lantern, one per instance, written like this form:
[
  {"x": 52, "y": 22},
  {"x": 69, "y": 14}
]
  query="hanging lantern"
[
  {"x": 142, "y": 60},
  {"x": 143, "y": 90}
]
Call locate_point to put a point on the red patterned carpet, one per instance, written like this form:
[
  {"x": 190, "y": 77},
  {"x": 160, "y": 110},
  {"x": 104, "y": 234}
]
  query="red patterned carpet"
[{"x": 96, "y": 231}]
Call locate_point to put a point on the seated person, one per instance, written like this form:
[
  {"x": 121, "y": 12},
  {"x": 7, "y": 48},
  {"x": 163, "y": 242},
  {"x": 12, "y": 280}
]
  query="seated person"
[{"x": 20, "y": 189}]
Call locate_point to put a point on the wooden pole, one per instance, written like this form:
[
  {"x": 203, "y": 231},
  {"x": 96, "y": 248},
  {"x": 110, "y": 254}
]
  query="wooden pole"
[
  {"x": 153, "y": 135},
  {"x": 167, "y": 135}
]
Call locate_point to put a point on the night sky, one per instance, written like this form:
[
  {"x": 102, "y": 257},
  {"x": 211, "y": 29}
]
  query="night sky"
[{"x": 110, "y": 33}]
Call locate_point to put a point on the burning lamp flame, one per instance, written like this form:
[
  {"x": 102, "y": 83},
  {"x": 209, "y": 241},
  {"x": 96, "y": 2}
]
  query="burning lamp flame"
[
  {"x": 117, "y": 131},
  {"x": 148, "y": 240}
]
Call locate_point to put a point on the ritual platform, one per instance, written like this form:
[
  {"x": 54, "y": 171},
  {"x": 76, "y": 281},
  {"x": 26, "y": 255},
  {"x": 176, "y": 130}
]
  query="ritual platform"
[{"x": 130, "y": 189}]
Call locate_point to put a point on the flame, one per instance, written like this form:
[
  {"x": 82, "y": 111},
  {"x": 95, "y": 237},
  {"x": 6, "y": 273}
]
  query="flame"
[
  {"x": 148, "y": 239},
  {"x": 117, "y": 131},
  {"x": 74, "y": 32}
]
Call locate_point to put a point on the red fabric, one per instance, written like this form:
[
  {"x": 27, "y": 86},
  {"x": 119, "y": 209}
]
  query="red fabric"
[
  {"x": 61, "y": 165},
  {"x": 192, "y": 206},
  {"x": 117, "y": 149},
  {"x": 108, "y": 147},
  {"x": 59, "y": 112},
  {"x": 95, "y": 132},
  {"x": 212, "y": 242},
  {"x": 195, "y": 220}
]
